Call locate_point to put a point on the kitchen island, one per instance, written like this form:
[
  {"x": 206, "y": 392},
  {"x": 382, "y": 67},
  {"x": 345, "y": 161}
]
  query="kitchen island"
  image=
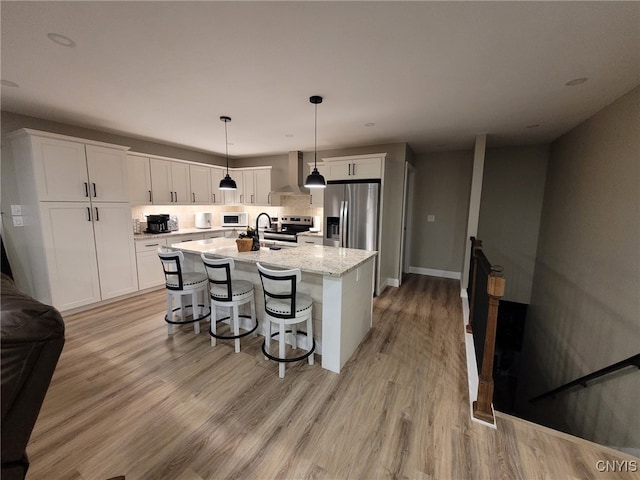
[{"x": 340, "y": 281}]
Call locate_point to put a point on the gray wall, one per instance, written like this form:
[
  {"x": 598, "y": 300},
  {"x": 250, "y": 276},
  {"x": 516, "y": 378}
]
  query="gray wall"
[
  {"x": 442, "y": 186},
  {"x": 510, "y": 209},
  {"x": 585, "y": 303}
]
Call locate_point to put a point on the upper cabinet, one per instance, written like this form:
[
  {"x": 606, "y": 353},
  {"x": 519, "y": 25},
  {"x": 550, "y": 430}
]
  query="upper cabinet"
[
  {"x": 72, "y": 171},
  {"x": 217, "y": 195},
  {"x": 139, "y": 180},
  {"x": 254, "y": 186},
  {"x": 200, "y": 176},
  {"x": 170, "y": 182},
  {"x": 356, "y": 167}
]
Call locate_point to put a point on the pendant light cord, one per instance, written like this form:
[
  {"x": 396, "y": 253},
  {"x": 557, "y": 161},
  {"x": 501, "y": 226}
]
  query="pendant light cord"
[
  {"x": 315, "y": 142},
  {"x": 226, "y": 145}
]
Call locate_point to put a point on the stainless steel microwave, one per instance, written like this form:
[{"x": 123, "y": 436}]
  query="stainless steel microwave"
[{"x": 234, "y": 219}]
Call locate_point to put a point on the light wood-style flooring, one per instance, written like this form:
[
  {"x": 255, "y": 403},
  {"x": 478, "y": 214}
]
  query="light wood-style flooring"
[{"x": 126, "y": 399}]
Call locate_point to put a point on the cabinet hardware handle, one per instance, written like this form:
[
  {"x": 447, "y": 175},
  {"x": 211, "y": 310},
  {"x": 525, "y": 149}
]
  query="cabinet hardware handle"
[
  {"x": 151, "y": 244},
  {"x": 269, "y": 198},
  {"x": 176, "y": 196},
  {"x": 307, "y": 241},
  {"x": 171, "y": 196},
  {"x": 310, "y": 199},
  {"x": 252, "y": 198},
  {"x": 97, "y": 216},
  {"x": 194, "y": 197},
  {"x": 150, "y": 195},
  {"x": 86, "y": 189},
  {"x": 349, "y": 169},
  {"x": 354, "y": 168},
  {"x": 88, "y": 214},
  {"x": 241, "y": 195},
  {"x": 214, "y": 198},
  {"x": 94, "y": 190}
]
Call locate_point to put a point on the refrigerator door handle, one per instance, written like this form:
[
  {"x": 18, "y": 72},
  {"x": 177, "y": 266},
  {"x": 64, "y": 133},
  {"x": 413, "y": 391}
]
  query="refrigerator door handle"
[
  {"x": 344, "y": 225},
  {"x": 341, "y": 224}
]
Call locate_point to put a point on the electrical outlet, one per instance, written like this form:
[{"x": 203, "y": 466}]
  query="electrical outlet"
[{"x": 16, "y": 210}]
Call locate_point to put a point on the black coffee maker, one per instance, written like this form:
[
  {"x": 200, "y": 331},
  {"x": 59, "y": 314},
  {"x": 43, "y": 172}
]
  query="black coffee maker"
[{"x": 158, "y": 223}]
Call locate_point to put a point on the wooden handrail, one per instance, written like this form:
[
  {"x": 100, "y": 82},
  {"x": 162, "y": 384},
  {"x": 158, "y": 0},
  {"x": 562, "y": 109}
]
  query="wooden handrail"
[
  {"x": 628, "y": 362},
  {"x": 476, "y": 247}
]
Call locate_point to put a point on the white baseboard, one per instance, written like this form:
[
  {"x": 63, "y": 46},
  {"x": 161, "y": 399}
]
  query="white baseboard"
[
  {"x": 393, "y": 282},
  {"x": 435, "y": 273}
]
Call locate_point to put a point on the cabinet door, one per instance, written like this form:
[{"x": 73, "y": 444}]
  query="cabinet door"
[
  {"x": 262, "y": 182},
  {"x": 366, "y": 168},
  {"x": 217, "y": 195},
  {"x": 249, "y": 191},
  {"x": 139, "y": 179},
  {"x": 107, "y": 174},
  {"x": 60, "y": 170},
  {"x": 338, "y": 170},
  {"x": 161, "y": 181},
  {"x": 150, "y": 273},
  {"x": 180, "y": 183},
  {"x": 115, "y": 249},
  {"x": 71, "y": 254},
  {"x": 200, "y": 179},
  {"x": 317, "y": 197}
]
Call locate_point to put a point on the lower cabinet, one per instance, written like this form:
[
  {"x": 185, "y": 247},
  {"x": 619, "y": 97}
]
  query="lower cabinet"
[
  {"x": 307, "y": 239},
  {"x": 150, "y": 273},
  {"x": 89, "y": 252}
]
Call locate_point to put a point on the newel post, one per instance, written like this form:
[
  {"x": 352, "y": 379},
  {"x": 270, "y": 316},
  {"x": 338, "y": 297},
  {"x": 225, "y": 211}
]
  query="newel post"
[
  {"x": 495, "y": 288},
  {"x": 475, "y": 248}
]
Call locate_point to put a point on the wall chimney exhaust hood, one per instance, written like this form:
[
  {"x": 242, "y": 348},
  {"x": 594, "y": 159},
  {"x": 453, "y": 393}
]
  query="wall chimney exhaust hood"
[{"x": 294, "y": 177}]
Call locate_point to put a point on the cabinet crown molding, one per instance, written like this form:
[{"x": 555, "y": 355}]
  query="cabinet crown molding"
[
  {"x": 355, "y": 158},
  {"x": 57, "y": 136}
]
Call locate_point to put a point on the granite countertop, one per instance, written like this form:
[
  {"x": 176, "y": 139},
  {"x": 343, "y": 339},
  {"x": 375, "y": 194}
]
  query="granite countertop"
[
  {"x": 332, "y": 261},
  {"x": 185, "y": 231}
]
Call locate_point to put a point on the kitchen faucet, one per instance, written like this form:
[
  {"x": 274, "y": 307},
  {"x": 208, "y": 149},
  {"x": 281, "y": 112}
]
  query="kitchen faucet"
[{"x": 257, "y": 236}]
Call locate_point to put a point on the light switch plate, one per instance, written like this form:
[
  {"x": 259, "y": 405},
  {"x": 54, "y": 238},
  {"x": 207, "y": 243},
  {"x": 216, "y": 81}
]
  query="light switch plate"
[
  {"x": 16, "y": 210},
  {"x": 431, "y": 218},
  {"x": 18, "y": 221}
]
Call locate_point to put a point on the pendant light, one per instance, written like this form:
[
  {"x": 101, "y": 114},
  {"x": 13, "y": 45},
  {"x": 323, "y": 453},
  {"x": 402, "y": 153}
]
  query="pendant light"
[
  {"x": 227, "y": 183},
  {"x": 315, "y": 180}
]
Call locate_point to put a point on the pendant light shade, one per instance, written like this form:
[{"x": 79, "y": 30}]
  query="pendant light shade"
[
  {"x": 315, "y": 180},
  {"x": 227, "y": 183}
]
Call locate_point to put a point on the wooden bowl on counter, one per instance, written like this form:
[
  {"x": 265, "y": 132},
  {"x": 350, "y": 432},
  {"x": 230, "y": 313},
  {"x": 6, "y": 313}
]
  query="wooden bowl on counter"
[{"x": 244, "y": 244}]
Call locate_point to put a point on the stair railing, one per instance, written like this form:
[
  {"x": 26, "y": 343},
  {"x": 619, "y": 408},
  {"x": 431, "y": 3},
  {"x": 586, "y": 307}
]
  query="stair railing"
[
  {"x": 583, "y": 381},
  {"x": 487, "y": 287}
]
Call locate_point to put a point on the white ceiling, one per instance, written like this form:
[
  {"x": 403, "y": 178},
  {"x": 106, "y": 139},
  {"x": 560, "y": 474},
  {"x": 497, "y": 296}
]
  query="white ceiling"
[{"x": 427, "y": 73}]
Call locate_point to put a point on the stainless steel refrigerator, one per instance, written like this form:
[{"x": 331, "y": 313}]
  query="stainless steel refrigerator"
[{"x": 351, "y": 214}]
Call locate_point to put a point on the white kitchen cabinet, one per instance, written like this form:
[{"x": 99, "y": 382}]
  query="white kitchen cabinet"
[
  {"x": 317, "y": 197},
  {"x": 139, "y": 179},
  {"x": 68, "y": 171},
  {"x": 150, "y": 272},
  {"x": 213, "y": 234},
  {"x": 200, "y": 179},
  {"x": 89, "y": 250},
  {"x": 248, "y": 188},
  {"x": 68, "y": 241},
  {"x": 170, "y": 182},
  {"x": 76, "y": 252},
  {"x": 254, "y": 187},
  {"x": 309, "y": 240},
  {"x": 356, "y": 167},
  {"x": 217, "y": 195},
  {"x": 187, "y": 237},
  {"x": 262, "y": 186}
]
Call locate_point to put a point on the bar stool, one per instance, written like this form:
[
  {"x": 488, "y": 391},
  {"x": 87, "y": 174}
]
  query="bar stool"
[
  {"x": 180, "y": 283},
  {"x": 231, "y": 294},
  {"x": 285, "y": 307}
]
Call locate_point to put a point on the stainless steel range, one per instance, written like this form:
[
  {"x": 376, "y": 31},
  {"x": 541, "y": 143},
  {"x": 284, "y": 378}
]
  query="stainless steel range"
[{"x": 289, "y": 228}]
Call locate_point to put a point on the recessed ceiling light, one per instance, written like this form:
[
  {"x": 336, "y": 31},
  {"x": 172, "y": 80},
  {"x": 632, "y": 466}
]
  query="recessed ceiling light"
[
  {"x": 369, "y": 124},
  {"x": 533, "y": 125},
  {"x": 576, "y": 81},
  {"x": 61, "y": 40},
  {"x": 288, "y": 135},
  {"x": 8, "y": 83}
]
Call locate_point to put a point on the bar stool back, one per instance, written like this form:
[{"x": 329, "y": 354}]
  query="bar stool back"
[
  {"x": 285, "y": 306},
  {"x": 228, "y": 293},
  {"x": 180, "y": 283}
]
